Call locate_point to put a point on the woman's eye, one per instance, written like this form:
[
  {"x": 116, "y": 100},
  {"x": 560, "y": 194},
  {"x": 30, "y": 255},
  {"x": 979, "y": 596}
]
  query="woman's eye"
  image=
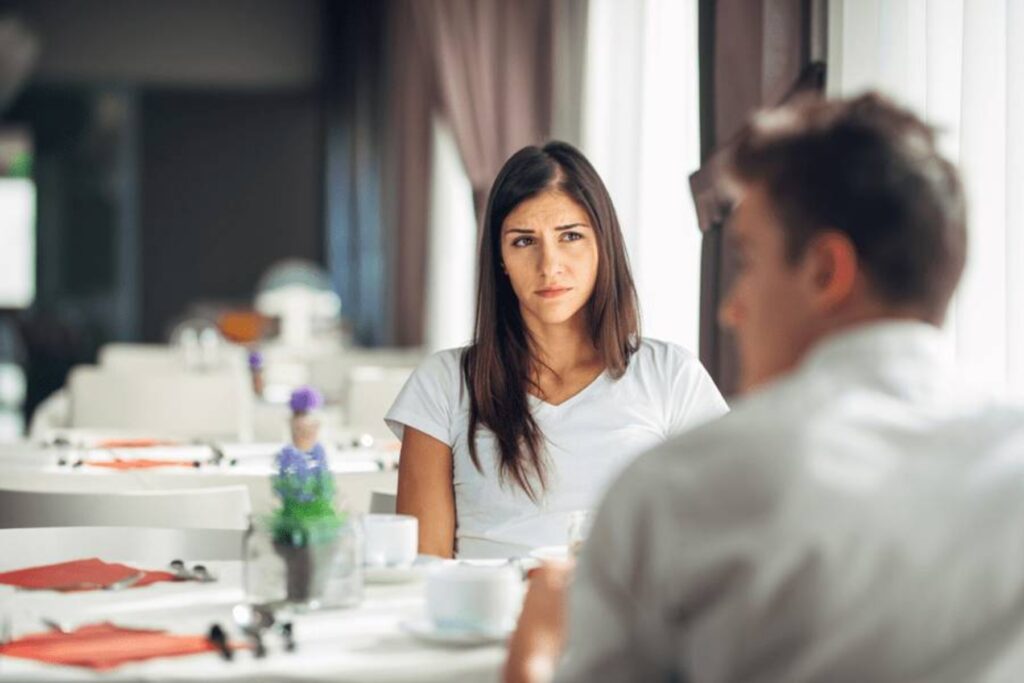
[
  {"x": 571, "y": 236},
  {"x": 522, "y": 241}
]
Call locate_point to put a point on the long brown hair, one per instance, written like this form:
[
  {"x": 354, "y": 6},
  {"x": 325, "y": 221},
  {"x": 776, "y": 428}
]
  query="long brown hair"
[{"x": 497, "y": 367}]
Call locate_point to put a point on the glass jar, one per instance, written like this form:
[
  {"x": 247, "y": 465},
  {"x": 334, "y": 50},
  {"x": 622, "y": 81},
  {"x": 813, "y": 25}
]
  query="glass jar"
[{"x": 322, "y": 574}]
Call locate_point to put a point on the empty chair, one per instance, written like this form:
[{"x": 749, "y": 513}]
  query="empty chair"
[
  {"x": 50, "y": 545},
  {"x": 330, "y": 371},
  {"x": 225, "y": 507},
  {"x": 383, "y": 503},
  {"x": 370, "y": 392},
  {"x": 121, "y": 356},
  {"x": 214, "y": 404}
]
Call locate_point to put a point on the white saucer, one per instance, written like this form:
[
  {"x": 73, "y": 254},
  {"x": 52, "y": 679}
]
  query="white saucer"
[
  {"x": 405, "y": 574},
  {"x": 551, "y": 553},
  {"x": 427, "y": 631}
]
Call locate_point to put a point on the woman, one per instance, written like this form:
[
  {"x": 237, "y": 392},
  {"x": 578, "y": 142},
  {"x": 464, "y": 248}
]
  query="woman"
[{"x": 502, "y": 440}]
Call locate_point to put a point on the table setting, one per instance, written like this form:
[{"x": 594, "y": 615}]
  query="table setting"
[{"x": 310, "y": 590}]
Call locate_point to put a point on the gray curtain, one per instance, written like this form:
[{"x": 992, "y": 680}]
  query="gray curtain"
[
  {"x": 486, "y": 66},
  {"x": 412, "y": 101},
  {"x": 753, "y": 53},
  {"x": 494, "y": 73}
]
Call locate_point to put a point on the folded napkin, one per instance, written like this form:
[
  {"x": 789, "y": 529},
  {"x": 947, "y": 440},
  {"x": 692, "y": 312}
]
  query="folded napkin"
[
  {"x": 103, "y": 646},
  {"x": 138, "y": 464},
  {"x": 133, "y": 443},
  {"x": 89, "y": 574}
]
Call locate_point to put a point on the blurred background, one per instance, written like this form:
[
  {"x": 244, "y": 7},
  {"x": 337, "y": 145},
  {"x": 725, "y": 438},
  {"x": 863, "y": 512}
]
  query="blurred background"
[
  {"x": 301, "y": 179},
  {"x": 171, "y": 161}
]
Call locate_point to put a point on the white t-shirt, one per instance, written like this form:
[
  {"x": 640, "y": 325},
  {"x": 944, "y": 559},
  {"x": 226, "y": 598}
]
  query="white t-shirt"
[{"x": 589, "y": 439}]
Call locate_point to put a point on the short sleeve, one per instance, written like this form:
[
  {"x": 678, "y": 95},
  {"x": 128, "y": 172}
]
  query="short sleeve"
[
  {"x": 429, "y": 400},
  {"x": 693, "y": 397}
]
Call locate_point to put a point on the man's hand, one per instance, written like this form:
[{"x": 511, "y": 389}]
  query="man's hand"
[{"x": 540, "y": 635}]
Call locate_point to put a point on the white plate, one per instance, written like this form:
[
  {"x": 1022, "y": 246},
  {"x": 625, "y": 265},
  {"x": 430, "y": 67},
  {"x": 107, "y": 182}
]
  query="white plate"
[
  {"x": 427, "y": 631},
  {"x": 550, "y": 553},
  {"x": 413, "y": 572}
]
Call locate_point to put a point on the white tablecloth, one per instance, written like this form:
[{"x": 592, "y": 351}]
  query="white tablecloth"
[
  {"x": 364, "y": 643},
  {"x": 28, "y": 466}
]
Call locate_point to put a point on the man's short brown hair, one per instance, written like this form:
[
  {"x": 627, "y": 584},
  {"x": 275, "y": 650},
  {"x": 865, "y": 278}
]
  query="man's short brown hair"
[{"x": 872, "y": 170}]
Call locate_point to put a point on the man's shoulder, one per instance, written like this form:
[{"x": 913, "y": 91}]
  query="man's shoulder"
[{"x": 755, "y": 446}]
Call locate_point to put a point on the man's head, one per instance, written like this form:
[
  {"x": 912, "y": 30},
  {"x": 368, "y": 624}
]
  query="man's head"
[{"x": 845, "y": 212}]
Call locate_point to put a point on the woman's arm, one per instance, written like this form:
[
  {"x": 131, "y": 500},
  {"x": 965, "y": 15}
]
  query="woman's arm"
[{"x": 425, "y": 490}]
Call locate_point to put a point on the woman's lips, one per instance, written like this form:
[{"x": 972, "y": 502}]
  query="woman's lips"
[{"x": 552, "y": 292}]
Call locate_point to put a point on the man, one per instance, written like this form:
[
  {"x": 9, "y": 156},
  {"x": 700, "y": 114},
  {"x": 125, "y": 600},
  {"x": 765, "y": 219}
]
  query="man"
[{"x": 859, "y": 516}]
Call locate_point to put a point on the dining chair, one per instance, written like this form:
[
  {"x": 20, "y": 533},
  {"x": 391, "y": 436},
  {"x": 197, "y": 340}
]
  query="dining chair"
[
  {"x": 370, "y": 392},
  {"x": 50, "y": 545},
  {"x": 123, "y": 356},
  {"x": 215, "y": 404},
  {"x": 225, "y": 507},
  {"x": 383, "y": 503},
  {"x": 332, "y": 369}
]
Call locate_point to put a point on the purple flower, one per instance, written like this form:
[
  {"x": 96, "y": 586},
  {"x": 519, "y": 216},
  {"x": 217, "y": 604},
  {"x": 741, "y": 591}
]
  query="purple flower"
[
  {"x": 305, "y": 399},
  {"x": 255, "y": 360},
  {"x": 318, "y": 459}
]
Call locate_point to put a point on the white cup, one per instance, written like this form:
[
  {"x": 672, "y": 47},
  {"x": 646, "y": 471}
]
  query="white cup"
[
  {"x": 474, "y": 598},
  {"x": 391, "y": 540}
]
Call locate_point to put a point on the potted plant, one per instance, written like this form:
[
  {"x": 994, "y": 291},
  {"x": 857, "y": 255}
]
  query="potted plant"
[{"x": 305, "y": 527}]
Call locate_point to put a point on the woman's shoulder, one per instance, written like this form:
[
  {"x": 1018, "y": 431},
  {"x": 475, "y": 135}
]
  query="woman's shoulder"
[
  {"x": 442, "y": 366},
  {"x": 662, "y": 355}
]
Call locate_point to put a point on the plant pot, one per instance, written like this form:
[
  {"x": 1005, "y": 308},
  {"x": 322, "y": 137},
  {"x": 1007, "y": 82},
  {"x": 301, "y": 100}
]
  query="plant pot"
[
  {"x": 305, "y": 428},
  {"x": 307, "y": 570}
]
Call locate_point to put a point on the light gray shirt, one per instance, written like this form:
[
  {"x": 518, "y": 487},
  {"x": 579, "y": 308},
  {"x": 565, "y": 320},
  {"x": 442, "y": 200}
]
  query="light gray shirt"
[
  {"x": 860, "y": 520},
  {"x": 588, "y": 440}
]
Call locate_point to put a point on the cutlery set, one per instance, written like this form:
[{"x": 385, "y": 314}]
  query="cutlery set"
[{"x": 254, "y": 621}]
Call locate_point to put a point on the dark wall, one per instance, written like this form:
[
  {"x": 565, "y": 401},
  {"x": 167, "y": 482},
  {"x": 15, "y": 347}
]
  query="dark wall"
[
  {"x": 179, "y": 43},
  {"x": 229, "y": 184}
]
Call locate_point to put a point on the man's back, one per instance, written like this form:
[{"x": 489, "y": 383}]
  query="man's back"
[{"x": 861, "y": 520}]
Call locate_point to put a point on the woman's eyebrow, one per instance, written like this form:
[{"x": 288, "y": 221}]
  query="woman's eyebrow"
[{"x": 571, "y": 225}]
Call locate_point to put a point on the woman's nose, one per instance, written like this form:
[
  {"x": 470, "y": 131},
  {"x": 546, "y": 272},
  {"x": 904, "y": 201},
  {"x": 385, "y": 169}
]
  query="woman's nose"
[{"x": 550, "y": 260}]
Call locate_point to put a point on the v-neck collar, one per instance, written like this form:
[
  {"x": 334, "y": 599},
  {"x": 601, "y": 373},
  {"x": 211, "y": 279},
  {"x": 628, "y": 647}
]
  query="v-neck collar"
[{"x": 575, "y": 398}]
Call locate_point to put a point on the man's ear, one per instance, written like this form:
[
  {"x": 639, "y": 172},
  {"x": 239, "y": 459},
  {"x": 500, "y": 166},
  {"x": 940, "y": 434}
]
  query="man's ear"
[{"x": 830, "y": 266}]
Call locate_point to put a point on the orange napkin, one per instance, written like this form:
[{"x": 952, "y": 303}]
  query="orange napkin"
[
  {"x": 134, "y": 443},
  {"x": 66, "y": 575},
  {"x": 139, "y": 464},
  {"x": 103, "y": 646}
]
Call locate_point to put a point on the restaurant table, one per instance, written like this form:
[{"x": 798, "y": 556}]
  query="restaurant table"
[
  {"x": 364, "y": 643},
  {"x": 35, "y": 467}
]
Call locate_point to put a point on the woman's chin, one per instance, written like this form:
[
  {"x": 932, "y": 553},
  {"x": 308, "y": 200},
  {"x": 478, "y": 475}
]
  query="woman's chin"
[{"x": 553, "y": 315}]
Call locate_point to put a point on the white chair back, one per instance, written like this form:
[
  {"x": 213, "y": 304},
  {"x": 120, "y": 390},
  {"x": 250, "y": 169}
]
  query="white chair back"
[
  {"x": 187, "y": 404},
  {"x": 330, "y": 371},
  {"x": 225, "y": 507},
  {"x": 50, "y": 545},
  {"x": 370, "y": 392},
  {"x": 121, "y": 356},
  {"x": 383, "y": 503}
]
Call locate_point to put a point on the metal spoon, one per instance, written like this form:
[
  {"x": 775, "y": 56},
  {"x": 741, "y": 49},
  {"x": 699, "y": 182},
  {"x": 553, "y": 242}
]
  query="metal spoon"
[{"x": 254, "y": 620}]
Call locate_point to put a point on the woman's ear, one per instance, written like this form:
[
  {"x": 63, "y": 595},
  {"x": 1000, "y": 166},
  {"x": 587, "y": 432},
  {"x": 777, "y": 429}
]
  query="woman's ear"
[{"x": 832, "y": 265}]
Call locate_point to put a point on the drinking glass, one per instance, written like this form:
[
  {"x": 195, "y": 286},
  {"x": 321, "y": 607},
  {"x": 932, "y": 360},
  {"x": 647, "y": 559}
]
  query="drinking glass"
[{"x": 579, "y": 529}]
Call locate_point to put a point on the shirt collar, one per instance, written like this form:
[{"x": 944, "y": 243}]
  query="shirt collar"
[{"x": 904, "y": 357}]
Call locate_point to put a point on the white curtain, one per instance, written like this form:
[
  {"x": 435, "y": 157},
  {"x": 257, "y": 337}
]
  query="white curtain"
[
  {"x": 960, "y": 65},
  {"x": 641, "y": 132},
  {"x": 451, "y": 258}
]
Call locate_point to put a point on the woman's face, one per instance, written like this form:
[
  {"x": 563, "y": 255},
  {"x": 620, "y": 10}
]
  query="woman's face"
[{"x": 549, "y": 251}]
